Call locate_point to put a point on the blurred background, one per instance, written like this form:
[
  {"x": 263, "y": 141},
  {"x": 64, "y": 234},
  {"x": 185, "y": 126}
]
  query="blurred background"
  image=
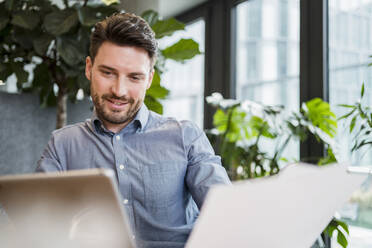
[{"x": 273, "y": 52}]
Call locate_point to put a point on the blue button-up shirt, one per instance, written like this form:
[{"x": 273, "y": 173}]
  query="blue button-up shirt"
[{"x": 163, "y": 168}]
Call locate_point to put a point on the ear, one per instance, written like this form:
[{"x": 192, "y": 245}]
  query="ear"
[
  {"x": 150, "y": 79},
  {"x": 88, "y": 67}
]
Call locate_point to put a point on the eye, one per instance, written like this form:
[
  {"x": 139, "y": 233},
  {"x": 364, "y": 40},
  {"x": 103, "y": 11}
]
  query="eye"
[
  {"x": 136, "y": 78},
  {"x": 107, "y": 73}
]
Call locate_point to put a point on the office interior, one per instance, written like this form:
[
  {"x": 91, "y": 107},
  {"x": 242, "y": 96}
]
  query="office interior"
[{"x": 273, "y": 52}]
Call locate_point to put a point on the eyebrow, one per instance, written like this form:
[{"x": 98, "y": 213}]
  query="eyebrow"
[
  {"x": 136, "y": 74},
  {"x": 105, "y": 67}
]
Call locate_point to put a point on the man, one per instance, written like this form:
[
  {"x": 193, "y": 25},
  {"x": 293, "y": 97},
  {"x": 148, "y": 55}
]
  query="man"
[{"x": 163, "y": 166}]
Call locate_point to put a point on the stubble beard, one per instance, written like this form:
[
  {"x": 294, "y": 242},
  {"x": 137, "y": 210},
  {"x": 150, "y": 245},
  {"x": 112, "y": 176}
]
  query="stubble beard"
[{"x": 112, "y": 116}]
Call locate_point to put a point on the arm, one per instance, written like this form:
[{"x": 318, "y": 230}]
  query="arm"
[
  {"x": 49, "y": 160},
  {"x": 204, "y": 167}
]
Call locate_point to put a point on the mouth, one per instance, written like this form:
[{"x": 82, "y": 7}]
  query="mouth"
[{"x": 116, "y": 104}]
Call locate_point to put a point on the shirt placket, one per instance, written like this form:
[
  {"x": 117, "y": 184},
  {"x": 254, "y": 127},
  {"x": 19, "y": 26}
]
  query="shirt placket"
[{"x": 123, "y": 173}]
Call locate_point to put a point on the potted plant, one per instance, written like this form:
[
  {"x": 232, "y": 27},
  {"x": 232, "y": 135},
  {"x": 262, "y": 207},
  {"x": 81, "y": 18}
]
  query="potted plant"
[
  {"x": 53, "y": 43},
  {"x": 242, "y": 128}
]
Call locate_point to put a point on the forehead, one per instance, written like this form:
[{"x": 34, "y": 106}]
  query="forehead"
[{"x": 122, "y": 57}]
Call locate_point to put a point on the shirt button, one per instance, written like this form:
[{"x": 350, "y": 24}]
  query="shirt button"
[
  {"x": 118, "y": 137},
  {"x": 121, "y": 167},
  {"x": 125, "y": 201}
]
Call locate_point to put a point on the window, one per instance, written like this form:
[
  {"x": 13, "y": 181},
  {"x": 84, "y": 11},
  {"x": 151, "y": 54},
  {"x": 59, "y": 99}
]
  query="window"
[
  {"x": 185, "y": 81},
  {"x": 350, "y": 44},
  {"x": 268, "y": 52},
  {"x": 267, "y": 56}
]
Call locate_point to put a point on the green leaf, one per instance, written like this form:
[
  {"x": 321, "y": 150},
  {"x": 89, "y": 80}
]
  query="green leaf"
[
  {"x": 362, "y": 91},
  {"x": 153, "y": 104},
  {"x": 150, "y": 16},
  {"x": 320, "y": 115},
  {"x": 87, "y": 16},
  {"x": 41, "y": 43},
  {"x": 83, "y": 83},
  {"x": 341, "y": 239},
  {"x": 167, "y": 27},
  {"x": 51, "y": 99},
  {"x": 261, "y": 127},
  {"x": 233, "y": 124},
  {"x": 26, "y": 19},
  {"x": 343, "y": 225},
  {"x": 24, "y": 38},
  {"x": 352, "y": 124},
  {"x": 47, "y": 96},
  {"x": 70, "y": 50},
  {"x": 346, "y": 106},
  {"x": 361, "y": 111},
  {"x": 41, "y": 76},
  {"x": 330, "y": 229},
  {"x": 19, "y": 71},
  {"x": 5, "y": 71},
  {"x": 348, "y": 114},
  {"x": 329, "y": 159},
  {"x": 4, "y": 18},
  {"x": 184, "y": 49},
  {"x": 61, "y": 21},
  {"x": 220, "y": 120},
  {"x": 156, "y": 90}
]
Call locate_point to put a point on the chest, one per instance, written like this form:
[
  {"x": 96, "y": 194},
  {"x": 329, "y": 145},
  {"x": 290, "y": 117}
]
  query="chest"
[{"x": 149, "y": 168}]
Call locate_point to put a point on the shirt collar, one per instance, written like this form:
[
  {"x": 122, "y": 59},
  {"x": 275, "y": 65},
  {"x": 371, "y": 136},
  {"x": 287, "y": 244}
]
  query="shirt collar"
[{"x": 141, "y": 118}]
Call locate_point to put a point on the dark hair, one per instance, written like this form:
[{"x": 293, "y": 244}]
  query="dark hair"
[{"x": 124, "y": 29}]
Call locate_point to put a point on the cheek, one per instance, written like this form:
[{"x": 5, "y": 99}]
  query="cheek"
[
  {"x": 99, "y": 84},
  {"x": 137, "y": 91},
  {"x": 143, "y": 92}
]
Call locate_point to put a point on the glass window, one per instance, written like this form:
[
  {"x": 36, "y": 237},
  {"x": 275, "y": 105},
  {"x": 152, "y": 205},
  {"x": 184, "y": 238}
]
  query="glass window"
[
  {"x": 268, "y": 51},
  {"x": 267, "y": 58},
  {"x": 185, "y": 81},
  {"x": 350, "y": 25}
]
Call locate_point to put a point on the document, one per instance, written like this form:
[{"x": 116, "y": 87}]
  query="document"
[{"x": 288, "y": 210}]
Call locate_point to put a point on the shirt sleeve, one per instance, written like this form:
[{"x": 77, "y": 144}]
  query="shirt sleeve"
[
  {"x": 49, "y": 161},
  {"x": 204, "y": 166}
]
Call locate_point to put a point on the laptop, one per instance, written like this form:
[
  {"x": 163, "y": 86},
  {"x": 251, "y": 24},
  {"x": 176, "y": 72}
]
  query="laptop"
[
  {"x": 288, "y": 210},
  {"x": 68, "y": 209},
  {"x": 82, "y": 209}
]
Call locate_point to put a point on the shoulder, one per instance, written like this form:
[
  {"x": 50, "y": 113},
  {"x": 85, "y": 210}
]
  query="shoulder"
[
  {"x": 185, "y": 128},
  {"x": 71, "y": 132},
  {"x": 156, "y": 119}
]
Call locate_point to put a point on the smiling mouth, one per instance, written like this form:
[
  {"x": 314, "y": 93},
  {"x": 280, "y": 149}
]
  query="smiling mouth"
[{"x": 116, "y": 102}]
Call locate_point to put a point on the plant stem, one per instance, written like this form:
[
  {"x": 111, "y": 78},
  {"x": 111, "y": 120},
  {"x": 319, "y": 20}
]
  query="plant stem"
[
  {"x": 85, "y": 2},
  {"x": 283, "y": 146},
  {"x": 228, "y": 126},
  {"x": 61, "y": 108}
]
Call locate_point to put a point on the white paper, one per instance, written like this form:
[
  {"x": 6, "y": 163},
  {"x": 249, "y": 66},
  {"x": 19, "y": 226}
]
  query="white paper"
[{"x": 287, "y": 210}]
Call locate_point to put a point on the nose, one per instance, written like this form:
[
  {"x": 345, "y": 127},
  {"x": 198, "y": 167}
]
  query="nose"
[{"x": 119, "y": 88}]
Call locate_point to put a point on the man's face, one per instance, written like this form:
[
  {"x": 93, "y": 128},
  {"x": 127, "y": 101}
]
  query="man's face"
[{"x": 119, "y": 78}]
